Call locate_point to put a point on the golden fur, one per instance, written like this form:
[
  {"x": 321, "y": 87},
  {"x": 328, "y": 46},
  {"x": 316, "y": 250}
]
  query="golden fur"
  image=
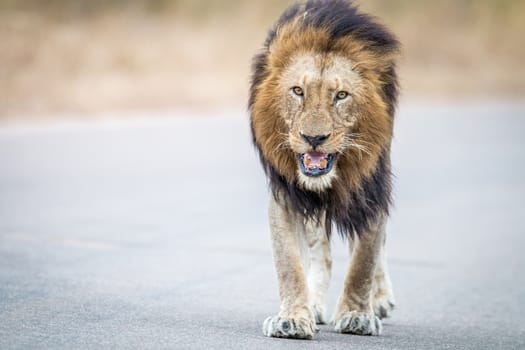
[{"x": 373, "y": 124}]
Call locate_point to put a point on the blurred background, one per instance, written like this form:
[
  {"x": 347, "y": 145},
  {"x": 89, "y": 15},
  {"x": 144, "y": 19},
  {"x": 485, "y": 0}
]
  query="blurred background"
[{"x": 91, "y": 58}]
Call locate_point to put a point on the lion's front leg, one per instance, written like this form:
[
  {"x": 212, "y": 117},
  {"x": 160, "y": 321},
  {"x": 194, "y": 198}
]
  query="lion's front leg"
[
  {"x": 295, "y": 319},
  {"x": 355, "y": 309}
]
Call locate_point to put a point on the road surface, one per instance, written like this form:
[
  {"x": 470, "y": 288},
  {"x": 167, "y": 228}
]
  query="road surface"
[{"x": 152, "y": 234}]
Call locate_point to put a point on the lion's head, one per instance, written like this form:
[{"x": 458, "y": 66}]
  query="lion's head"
[{"x": 322, "y": 101}]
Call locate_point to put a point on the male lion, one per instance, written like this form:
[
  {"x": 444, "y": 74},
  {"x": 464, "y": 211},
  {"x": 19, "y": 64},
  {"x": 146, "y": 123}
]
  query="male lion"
[{"x": 323, "y": 96}]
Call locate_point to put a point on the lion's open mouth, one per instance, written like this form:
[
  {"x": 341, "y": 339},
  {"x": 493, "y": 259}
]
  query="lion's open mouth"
[{"x": 316, "y": 163}]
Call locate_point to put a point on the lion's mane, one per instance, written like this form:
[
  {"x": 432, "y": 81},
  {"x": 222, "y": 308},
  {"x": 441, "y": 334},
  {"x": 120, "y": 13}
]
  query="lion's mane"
[{"x": 362, "y": 190}]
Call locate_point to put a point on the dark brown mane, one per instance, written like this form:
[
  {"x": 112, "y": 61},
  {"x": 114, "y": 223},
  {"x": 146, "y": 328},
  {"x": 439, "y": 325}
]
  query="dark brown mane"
[{"x": 363, "y": 188}]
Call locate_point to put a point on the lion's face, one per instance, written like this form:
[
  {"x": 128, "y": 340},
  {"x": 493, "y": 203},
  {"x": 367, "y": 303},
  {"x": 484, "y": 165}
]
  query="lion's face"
[
  {"x": 322, "y": 118},
  {"x": 320, "y": 94}
]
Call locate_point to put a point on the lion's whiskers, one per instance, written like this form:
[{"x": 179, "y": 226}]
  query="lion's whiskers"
[
  {"x": 351, "y": 141},
  {"x": 283, "y": 144}
]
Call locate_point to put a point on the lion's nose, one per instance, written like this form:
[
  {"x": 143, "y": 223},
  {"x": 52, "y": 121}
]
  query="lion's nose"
[{"x": 315, "y": 141}]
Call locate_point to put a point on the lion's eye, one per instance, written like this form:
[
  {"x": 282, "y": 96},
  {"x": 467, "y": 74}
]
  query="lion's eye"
[
  {"x": 341, "y": 95},
  {"x": 298, "y": 91}
]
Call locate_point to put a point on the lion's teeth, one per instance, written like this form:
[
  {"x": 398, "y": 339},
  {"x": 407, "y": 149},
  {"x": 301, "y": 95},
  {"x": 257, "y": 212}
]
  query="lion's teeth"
[
  {"x": 307, "y": 161},
  {"x": 315, "y": 161}
]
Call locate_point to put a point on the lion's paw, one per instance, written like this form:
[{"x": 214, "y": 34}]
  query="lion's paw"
[
  {"x": 280, "y": 327},
  {"x": 361, "y": 323},
  {"x": 383, "y": 307},
  {"x": 320, "y": 314}
]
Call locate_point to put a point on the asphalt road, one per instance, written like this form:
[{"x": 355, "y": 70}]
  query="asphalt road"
[{"x": 152, "y": 234}]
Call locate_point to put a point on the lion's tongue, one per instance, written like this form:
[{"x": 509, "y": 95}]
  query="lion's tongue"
[{"x": 314, "y": 160}]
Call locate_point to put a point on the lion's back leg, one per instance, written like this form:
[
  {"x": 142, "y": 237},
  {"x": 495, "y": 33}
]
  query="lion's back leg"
[
  {"x": 383, "y": 296},
  {"x": 320, "y": 269}
]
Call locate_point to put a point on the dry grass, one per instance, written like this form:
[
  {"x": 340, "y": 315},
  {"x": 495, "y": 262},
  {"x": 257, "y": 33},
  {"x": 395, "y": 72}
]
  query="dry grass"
[
  {"x": 459, "y": 48},
  {"x": 93, "y": 57}
]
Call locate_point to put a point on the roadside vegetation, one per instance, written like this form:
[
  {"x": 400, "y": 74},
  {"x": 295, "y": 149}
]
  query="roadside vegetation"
[{"x": 96, "y": 56}]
